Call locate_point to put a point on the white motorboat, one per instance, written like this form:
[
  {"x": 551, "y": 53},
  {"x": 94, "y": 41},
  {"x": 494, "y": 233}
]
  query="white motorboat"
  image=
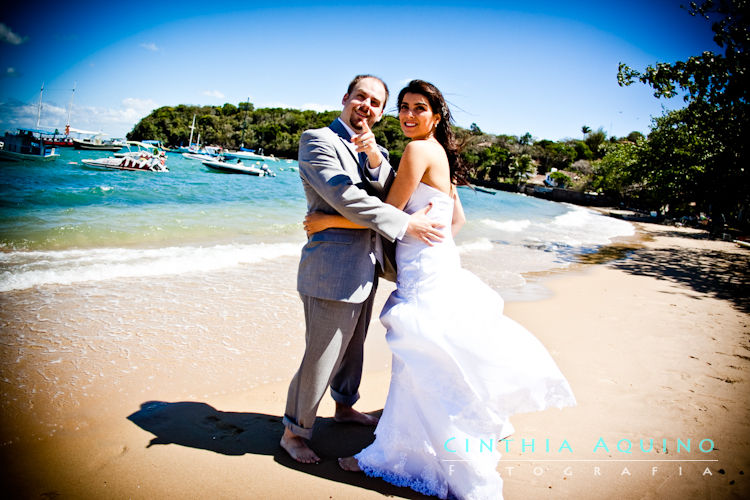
[
  {"x": 198, "y": 156},
  {"x": 204, "y": 153},
  {"x": 137, "y": 148},
  {"x": 239, "y": 168},
  {"x": 246, "y": 154},
  {"x": 145, "y": 162}
]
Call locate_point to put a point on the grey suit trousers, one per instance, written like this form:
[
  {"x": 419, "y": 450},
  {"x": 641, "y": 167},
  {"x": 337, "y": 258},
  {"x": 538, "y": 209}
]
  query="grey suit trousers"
[{"x": 334, "y": 348}]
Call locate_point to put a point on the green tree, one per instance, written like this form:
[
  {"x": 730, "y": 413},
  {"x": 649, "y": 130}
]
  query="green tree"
[
  {"x": 520, "y": 167},
  {"x": 615, "y": 173},
  {"x": 594, "y": 140},
  {"x": 561, "y": 179},
  {"x": 551, "y": 155},
  {"x": 708, "y": 163},
  {"x": 636, "y": 137}
]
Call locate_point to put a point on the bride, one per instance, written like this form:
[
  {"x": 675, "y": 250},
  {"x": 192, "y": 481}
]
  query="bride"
[{"x": 460, "y": 368}]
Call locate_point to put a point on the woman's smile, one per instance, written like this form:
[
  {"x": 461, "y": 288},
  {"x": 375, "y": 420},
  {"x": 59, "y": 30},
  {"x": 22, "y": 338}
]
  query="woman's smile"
[{"x": 416, "y": 116}]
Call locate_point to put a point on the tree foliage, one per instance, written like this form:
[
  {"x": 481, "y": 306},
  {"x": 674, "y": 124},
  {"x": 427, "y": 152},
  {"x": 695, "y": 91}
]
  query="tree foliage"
[{"x": 699, "y": 154}]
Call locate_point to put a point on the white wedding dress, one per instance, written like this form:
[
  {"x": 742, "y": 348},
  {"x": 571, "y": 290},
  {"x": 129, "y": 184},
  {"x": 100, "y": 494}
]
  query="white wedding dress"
[{"x": 460, "y": 369}]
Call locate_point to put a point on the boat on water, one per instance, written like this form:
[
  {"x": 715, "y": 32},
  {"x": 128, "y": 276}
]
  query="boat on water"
[
  {"x": 204, "y": 153},
  {"x": 137, "y": 148},
  {"x": 27, "y": 144},
  {"x": 239, "y": 168},
  {"x": 136, "y": 161},
  {"x": 97, "y": 144},
  {"x": 58, "y": 140},
  {"x": 248, "y": 154}
]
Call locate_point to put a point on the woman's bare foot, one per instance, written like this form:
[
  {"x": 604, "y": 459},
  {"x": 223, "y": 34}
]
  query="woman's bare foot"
[
  {"x": 297, "y": 448},
  {"x": 347, "y": 414},
  {"x": 350, "y": 464}
]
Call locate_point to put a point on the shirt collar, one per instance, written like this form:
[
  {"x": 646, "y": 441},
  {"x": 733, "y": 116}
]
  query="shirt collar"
[{"x": 347, "y": 128}]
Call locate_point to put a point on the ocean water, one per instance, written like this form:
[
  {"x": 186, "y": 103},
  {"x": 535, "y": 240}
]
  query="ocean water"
[
  {"x": 63, "y": 223},
  {"x": 118, "y": 288}
]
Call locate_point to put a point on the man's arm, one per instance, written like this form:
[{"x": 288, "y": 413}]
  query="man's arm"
[{"x": 321, "y": 169}]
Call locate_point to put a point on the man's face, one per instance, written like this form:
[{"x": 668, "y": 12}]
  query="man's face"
[{"x": 365, "y": 102}]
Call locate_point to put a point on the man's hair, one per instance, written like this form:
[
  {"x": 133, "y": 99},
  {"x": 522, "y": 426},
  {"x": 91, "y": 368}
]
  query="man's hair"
[{"x": 356, "y": 80}]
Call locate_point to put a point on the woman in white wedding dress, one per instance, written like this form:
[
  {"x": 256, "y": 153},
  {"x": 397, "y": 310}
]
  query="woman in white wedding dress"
[{"x": 460, "y": 367}]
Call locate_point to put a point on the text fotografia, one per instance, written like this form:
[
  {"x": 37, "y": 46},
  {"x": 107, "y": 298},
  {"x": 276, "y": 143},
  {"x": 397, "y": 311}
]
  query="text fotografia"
[{"x": 532, "y": 445}]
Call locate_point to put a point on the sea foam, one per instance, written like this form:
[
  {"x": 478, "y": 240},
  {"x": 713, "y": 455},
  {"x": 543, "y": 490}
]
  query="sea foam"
[{"x": 21, "y": 270}]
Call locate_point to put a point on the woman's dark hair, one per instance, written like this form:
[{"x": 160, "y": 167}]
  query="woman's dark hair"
[{"x": 443, "y": 131}]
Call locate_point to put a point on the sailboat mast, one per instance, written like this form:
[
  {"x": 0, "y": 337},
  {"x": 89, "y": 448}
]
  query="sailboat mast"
[
  {"x": 39, "y": 110},
  {"x": 70, "y": 109},
  {"x": 192, "y": 127},
  {"x": 244, "y": 124}
]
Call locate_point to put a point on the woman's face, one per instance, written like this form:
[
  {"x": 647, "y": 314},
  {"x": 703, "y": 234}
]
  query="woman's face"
[{"x": 416, "y": 116}]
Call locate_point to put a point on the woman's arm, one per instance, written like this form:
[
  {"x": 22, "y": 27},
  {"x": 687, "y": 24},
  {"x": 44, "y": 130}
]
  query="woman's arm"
[
  {"x": 411, "y": 169},
  {"x": 459, "y": 218},
  {"x": 318, "y": 221}
]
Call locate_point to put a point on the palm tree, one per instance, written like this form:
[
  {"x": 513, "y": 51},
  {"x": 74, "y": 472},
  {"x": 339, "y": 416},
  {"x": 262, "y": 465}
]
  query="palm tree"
[{"x": 585, "y": 129}]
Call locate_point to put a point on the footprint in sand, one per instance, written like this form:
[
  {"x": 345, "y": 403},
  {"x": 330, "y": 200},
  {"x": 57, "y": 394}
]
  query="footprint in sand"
[{"x": 222, "y": 430}]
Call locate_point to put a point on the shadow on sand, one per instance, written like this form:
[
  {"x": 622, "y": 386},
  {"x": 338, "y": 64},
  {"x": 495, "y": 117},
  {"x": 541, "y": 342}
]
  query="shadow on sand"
[
  {"x": 198, "y": 425},
  {"x": 723, "y": 275}
]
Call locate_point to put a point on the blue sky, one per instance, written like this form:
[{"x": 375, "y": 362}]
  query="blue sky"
[{"x": 542, "y": 67}]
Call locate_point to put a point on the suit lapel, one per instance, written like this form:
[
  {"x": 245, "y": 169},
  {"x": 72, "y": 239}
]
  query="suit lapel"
[{"x": 344, "y": 136}]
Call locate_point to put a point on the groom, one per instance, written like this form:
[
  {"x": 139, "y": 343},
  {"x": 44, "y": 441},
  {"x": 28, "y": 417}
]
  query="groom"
[{"x": 343, "y": 171}]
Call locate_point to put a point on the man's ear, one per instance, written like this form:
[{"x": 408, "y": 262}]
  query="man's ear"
[{"x": 344, "y": 99}]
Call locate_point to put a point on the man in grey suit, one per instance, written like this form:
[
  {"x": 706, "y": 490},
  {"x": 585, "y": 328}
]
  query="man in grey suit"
[{"x": 344, "y": 172}]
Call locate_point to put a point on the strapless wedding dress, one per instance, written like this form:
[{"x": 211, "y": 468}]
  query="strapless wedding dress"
[{"x": 460, "y": 369}]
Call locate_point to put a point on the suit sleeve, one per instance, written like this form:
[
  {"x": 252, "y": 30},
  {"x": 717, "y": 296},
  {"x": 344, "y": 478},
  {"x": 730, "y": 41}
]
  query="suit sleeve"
[
  {"x": 320, "y": 167},
  {"x": 386, "y": 174}
]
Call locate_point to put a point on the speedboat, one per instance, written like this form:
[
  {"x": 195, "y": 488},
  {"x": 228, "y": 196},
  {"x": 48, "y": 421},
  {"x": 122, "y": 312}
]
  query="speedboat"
[
  {"x": 239, "y": 168},
  {"x": 96, "y": 144},
  {"x": 248, "y": 154},
  {"x": 142, "y": 161},
  {"x": 27, "y": 144},
  {"x": 137, "y": 148},
  {"x": 204, "y": 153}
]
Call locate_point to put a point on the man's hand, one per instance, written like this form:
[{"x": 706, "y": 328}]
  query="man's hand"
[
  {"x": 365, "y": 143},
  {"x": 424, "y": 229}
]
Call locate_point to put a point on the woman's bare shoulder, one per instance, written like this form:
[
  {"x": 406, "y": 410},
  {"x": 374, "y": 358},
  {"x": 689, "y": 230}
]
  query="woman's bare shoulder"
[{"x": 425, "y": 149}]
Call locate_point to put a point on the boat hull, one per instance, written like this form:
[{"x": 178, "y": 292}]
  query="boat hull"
[
  {"x": 234, "y": 168},
  {"x": 117, "y": 164},
  {"x": 11, "y": 156},
  {"x": 90, "y": 146}
]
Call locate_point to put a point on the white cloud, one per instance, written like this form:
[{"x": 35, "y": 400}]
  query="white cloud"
[
  {"x": 314, "y": 106},
  {"x": 140, "y": 105},
  {"x": 116, "y": 122},
  {"x": 15, "y": 114},
  {"x": 11, "y": 73},
  {"x": 213, "y": 93},
  {"x": 150, "y": 46},
  {"x": 7, "y": 36}
]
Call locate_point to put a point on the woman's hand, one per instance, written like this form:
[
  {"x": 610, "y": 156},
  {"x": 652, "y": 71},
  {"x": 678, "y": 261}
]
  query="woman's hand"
[{"x": 316, "y": 222}]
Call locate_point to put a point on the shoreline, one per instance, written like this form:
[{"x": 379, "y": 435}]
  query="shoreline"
[{"x": 653, "y": 345}]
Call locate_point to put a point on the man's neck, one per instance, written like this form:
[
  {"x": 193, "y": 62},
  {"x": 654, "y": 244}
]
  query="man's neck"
[{"x": 348, "y": 129}]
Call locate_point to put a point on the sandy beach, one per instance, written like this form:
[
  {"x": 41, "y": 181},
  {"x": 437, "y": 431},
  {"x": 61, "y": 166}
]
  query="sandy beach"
[{"x": 108, "y": 393}]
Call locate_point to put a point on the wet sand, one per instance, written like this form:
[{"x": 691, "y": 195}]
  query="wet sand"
[{"x": 174, "y": 388}]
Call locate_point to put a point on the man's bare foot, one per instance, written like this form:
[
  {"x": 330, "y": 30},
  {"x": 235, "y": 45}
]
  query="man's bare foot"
[
  {"x": 297, "y": 448},
  {"x": 350, "y": 464},
  {"x": 348, "y": 415}
]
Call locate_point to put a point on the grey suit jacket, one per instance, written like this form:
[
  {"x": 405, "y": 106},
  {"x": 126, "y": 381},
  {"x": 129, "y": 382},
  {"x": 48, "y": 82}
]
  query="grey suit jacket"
[{"x": 340, "y": 264}]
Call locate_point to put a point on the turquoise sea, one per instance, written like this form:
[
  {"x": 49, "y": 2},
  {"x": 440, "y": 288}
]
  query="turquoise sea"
[
  {"x": 122, "y": 287},
  {"x": 62, "y": 223}
]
